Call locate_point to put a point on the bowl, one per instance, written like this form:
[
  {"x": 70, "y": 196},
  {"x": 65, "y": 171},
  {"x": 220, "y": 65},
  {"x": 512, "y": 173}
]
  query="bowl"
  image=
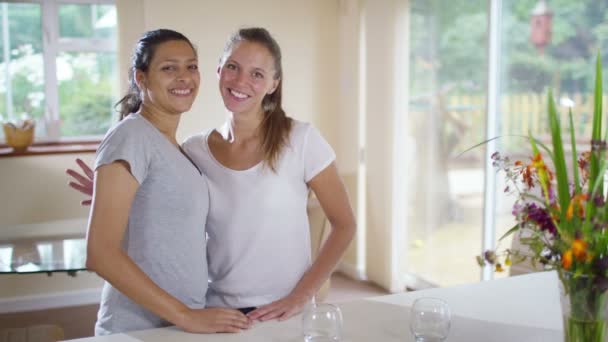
[{"x": 19, "y": 137}]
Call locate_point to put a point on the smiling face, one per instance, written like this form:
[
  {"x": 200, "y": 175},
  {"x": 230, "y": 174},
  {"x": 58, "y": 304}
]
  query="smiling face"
[
  {"x": 171, "y": 82},
  {"x": 246, "y": 76}
]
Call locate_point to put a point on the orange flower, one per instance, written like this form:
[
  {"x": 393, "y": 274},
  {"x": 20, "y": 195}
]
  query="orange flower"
[
  {"x": 499, "y": 268},
  {"x": 579, "y": 249},
  {"x": 577, "y": 204},
  {"x": 543, "y": 173},
  {"x": 527, "y": 176},
  {"x": 567, "y": 259}
]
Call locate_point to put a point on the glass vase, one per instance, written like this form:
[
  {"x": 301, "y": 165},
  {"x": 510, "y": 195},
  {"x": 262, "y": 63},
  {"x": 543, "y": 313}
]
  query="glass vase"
[{"x": 584, "y": 311}]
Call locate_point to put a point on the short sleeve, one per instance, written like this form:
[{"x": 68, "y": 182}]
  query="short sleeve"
[
  {"x": 126, "y": 142},
  {"x": 317, "y": 153}
]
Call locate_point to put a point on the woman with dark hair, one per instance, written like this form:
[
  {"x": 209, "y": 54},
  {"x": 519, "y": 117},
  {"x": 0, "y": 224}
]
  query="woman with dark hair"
[
  {"x": 153, "y": 261},
  {"x": 260, "y": 166}
]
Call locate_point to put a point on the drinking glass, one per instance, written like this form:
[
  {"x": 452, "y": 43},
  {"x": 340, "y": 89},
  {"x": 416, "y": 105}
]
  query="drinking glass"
[
  {"x": 322, "y": 323},
  {"x": 430, "y": 320}
]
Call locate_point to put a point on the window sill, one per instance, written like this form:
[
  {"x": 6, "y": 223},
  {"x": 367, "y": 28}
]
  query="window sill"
[{"x": 41, "y": 149}]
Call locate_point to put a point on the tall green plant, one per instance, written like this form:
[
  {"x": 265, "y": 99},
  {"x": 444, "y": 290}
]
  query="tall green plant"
[{"x": 566, "y": 229}]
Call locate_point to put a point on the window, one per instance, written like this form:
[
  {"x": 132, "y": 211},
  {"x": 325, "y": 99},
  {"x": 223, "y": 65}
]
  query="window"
[
  {"x": 448, "y": 55},
  {"x": 58, "y": 66},
  {"x": 449, "y": 87}
]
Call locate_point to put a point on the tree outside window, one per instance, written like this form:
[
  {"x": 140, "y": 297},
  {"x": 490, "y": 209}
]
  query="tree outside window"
[{"x": 68, "y": 82}]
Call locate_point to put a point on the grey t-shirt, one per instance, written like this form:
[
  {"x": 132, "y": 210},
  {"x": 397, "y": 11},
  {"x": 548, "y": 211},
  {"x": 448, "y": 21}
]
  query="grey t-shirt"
[{"x": 165, "y": 235}]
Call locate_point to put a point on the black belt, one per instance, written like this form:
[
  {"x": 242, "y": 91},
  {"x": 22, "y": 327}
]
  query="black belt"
[{"x": 247, "y": 310}]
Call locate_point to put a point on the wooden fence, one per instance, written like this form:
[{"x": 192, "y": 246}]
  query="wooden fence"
[{"x": 519, "y": 114}]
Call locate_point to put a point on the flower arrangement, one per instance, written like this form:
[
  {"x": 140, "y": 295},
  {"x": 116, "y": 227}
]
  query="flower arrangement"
[{"x": 562, "y": 219}]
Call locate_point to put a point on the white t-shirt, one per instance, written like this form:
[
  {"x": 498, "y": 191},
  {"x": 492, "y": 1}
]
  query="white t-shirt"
[{"x": 258, "y": 244}]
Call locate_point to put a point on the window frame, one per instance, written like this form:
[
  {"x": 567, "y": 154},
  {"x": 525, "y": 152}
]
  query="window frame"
[{"x": 52, "y": 46}]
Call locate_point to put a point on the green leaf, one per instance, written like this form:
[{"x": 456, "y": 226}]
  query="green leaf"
[
  {"x": 577, "y": 185},
  {"x": 544, "y": 147},
  {"x": 510, "y": 231},
  {"x": 599, "y": 180},
  {"x": 538, "y": 142},
  {"x": 590, "y": 208},
  {"x": 597, "y": 127},
  {"x": 597, "y": 161},
  {"x": 477, "y": 145},
  {"x": 561, "y": 173}
]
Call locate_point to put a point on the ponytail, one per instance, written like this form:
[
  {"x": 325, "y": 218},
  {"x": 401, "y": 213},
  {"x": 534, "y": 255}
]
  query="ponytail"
[
  {"x": 131, "y": 102},
  {"x": 276, "y": 127}
]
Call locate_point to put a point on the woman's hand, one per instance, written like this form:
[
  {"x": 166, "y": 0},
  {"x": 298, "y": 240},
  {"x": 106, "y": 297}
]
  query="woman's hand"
[
  {"x": 214, "y": 320},
  {"x": 82, "y": 182},
  {"x": 281, "y": 309}
]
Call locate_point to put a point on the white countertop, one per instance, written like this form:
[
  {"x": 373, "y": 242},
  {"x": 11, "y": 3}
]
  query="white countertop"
[{"x": 522, "y": 308}]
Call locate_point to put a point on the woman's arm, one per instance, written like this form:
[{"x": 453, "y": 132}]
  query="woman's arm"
[
  {"x": 82, "y": 182},
  {"x": 114, "y": 191},
  {"x": 330, "y": 191}
]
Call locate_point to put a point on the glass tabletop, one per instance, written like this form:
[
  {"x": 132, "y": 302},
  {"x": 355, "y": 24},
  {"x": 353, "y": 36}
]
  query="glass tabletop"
[{"x": 65, "y": 253}]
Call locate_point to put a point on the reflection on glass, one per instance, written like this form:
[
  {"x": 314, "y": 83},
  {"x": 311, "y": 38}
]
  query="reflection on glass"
[
  {"x": 446, "y": 116},
  {"x": 91, "y": 76},
  {"x": 24, "y": 253},
  {"x": 46, "y": 254},
  {"x": 45, "y": 250},
  {"x": 6, "y": 258},
  {"x": 29, "y": 267},
  {"x": 74, "y": 253},
  {"x": 87, "y": 21}
]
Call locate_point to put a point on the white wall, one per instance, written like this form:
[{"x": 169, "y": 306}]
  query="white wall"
[
  {"x": 306, "y": 30},
  {"x": 34, "y": 189}
]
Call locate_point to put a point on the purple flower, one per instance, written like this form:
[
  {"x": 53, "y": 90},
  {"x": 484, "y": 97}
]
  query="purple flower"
[
  {"x": 598, "y": 200},
  {"x": 541, "y": 217},
  {"x": 518, "y": 209},
  {"x": 490, "y": 256},
  {"x": 601, "y": 264}
]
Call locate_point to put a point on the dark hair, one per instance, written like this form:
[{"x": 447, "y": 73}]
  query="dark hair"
[
  {"x": 140, "y": 60},
  {"x": 276, "y": 125}
]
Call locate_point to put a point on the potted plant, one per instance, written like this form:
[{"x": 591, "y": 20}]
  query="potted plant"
[{"x": 562, "y": 219}]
